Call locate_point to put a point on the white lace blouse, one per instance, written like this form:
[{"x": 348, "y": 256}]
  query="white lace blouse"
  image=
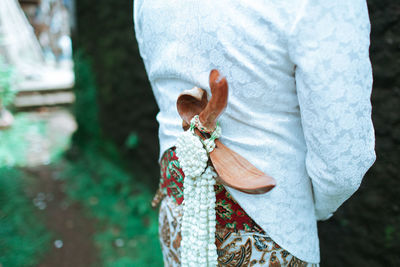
[{"x": 299, "y": 102}]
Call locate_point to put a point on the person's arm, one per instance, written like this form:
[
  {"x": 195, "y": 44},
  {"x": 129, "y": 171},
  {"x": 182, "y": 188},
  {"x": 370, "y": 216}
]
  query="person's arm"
[{"x": 329, "y": 44}]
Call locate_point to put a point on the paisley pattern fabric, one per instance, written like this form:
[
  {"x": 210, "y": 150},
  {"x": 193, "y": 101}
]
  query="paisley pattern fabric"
[
  {"x": 299, "y": 106},
  {"x": 235, "y": 248}
]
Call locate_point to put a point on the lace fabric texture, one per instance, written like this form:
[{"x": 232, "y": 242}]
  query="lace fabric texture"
[{"x": 299, "y": 106}]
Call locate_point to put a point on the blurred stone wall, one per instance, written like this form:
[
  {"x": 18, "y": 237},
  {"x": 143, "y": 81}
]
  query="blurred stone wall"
[{"x": 365, "y": 231}]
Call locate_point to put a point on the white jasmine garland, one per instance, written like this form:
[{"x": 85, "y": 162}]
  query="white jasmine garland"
[{"x": 198, "y": 220}]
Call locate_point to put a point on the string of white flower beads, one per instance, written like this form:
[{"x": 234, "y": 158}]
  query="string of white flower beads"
[{"x": 198, "y": 221}]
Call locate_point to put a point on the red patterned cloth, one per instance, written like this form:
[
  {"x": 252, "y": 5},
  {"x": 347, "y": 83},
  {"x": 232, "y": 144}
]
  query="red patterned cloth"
[{"x": 228, "y": 212}]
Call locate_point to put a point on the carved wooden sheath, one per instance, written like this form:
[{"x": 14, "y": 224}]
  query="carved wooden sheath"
[{"x": 233, "y": 169}]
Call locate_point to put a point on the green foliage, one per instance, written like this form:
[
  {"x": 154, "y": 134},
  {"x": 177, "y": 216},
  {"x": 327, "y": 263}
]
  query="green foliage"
[
  {"x": 127, "y": 231},
  {"x": 127, "y": 228},
  {"x": 7, "y": 91},
  {"x": 125, "y": 101},
  {"x": 132, "y": 141},
  {"x": 14, "y": 142},
  {"x": 391, "y": 234},
  {"x": 23, "y": 237},
  {"x": 85, "y": 107}
]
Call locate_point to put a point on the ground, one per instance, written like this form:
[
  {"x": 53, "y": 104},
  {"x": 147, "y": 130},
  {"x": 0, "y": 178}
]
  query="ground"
[
  {"x": 91, "y": 210},
  {"x": 72, "y": 243},
  {"x": 47, "y": 136}
]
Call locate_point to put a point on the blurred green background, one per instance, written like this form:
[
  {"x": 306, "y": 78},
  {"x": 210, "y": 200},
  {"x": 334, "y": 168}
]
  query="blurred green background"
[{"x": 87, "y": 203}]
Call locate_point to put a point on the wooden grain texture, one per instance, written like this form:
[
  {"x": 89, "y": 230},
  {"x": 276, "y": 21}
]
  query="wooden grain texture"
[
  {"x": 190, "y": 103},
  {"x": 233, "y": 169},
  {"x": 218, "y": 102}
]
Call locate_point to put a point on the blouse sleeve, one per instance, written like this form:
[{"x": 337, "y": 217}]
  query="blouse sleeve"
[{"x": 329, "y": 45}]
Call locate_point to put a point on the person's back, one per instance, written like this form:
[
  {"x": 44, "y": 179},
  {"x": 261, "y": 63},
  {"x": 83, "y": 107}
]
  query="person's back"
[{"x": 299, "y": 85}]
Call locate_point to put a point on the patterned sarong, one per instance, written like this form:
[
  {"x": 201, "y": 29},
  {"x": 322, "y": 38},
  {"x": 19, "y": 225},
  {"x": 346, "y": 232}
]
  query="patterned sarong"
[{"x": 240, "y": 241}]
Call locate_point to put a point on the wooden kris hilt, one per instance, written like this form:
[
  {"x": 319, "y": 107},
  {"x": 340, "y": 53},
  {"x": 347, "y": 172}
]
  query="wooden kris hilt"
[{"x": 233, "y": 169}]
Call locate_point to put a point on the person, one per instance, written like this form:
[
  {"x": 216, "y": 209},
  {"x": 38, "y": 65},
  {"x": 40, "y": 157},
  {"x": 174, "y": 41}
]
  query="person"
[{"x": 299, "y": 109}]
